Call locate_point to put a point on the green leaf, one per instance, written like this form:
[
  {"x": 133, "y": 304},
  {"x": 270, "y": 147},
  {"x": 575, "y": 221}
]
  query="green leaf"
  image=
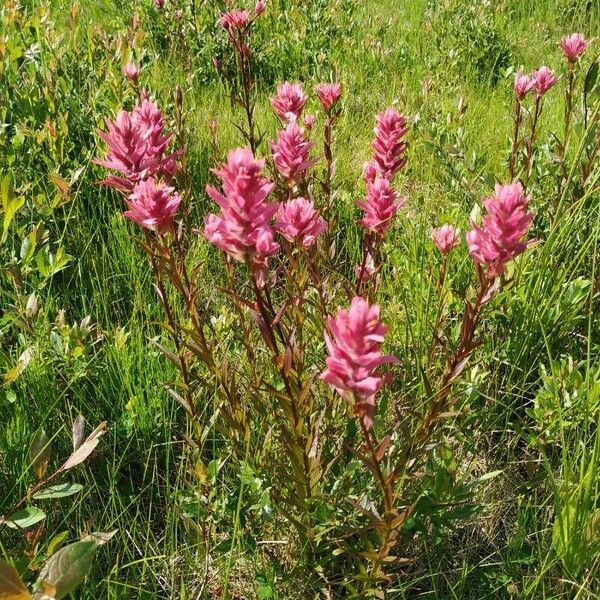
[
  {"x": 56, "y": 542},
  {"x": 26, "y": 517},
  {"x": 11, "y": 585},
  {"x": 10, "y": 203},
  {"x": 67, "y": 568},
  {"x": 58, "y": 491}
]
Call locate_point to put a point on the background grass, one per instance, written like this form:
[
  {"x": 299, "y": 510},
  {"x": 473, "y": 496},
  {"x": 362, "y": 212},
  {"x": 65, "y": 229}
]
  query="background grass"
[{"x": 424, "y": 57}]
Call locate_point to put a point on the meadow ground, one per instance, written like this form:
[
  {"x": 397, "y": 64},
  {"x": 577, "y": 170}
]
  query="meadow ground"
[{"x": 513, "y": 489}]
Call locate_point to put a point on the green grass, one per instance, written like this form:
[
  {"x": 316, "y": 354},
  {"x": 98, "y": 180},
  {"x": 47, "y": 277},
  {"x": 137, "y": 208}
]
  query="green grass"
[{"x": 140, "y": 480}]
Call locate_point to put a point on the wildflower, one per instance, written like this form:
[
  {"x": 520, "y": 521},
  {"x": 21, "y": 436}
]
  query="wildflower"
[
  {"x": 543, "y": 79},
  {"x": 500, "y": 240},
  {"x": 291, "y": 153},
  {"x": 152, "y": 205},
  {"x": 366, "y": 270},
  {"x": 369, "y": 172},
  {"x": 289, "y": 101},
  {"x": 259, "y": 7},
  {"x": 573, "y": 46},
  {"x": 136, "y": 147},
  {"x": 234, "y": 20},
  {"x": 329, "y": 94},
  {"x": 131, "y": 71},
  {"x": 523, "y": 85},
  {"x": 388, "y": 144},
  {"x": 160, "y": 4},
  {"x": 446, "y": 238},
  {"x": 309, "y": 121},
  {"x": 353, "y": 342},
  {"x": 299, "y": 221},
  {"x": 380, "y": 205},
  {"x": 243, "y": 229}
]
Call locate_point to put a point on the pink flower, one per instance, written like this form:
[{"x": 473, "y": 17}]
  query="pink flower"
[
  {"x": 380, "y": 205},
  {"x": 152, "y": 205},
  {"x": 243, "y": 229},
  {"x": 329, "y": 94},
  {"x": 365, "y": 271},
  {"x": 369, "y": 172},
  {"x": 136, "y": 147},
  {"x": 446, "y": 238},
  {"x": 573, "y": 46},
  {"x": 299, "y": 221},
  {"x": 354, "y": 342},
  {"x": 543, "y": 79},
  {"x": 291, "y": 153},
  {"x": 523, "y": 85},
  {"x": 160, "y": 4},
  {"x": 259, "y": 7},
  {"x": 131, "y": 71},
  {"x": 504, "y": 227},
  {"x": 234, "y": 20},
  {"x": 309, "y": 121},
  {"x": 289, "y": 101},
  {"x": 388, "y": 144}
]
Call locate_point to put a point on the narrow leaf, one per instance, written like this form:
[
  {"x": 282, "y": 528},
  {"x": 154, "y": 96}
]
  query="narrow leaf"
[
  {"x": 39, "y": 453},
  {"x": 78, "y": 431},
  {"x": 58, "y": 491},
  {"x": 85, "y": 449}
]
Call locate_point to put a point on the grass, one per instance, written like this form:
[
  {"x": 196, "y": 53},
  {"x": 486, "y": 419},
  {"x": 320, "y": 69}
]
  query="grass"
[{"x": 536, "y": 533}]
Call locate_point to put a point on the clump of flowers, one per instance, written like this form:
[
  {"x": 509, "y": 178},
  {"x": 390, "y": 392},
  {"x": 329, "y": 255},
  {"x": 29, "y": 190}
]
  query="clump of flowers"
[
  {"x": 131, "y": 71},
  {"x": 243, "y": 228},
  {"x": 573, "y": 46},
  {"x": 543, "y": 79},
  {"x": 299, "y": 222},
  {"x": 137, "y": 144},
  {"x": 152, "y": 205},
  {"x": 506, "y": 223},
  {"x": 446, "y": 238},
  {"x": 291, "y": 153},
  {"x": 380, "y": 205},
  {"x": 523, "y": 85},
  {"x": 234, "y": 20},
  {"x": 289, "y": 102},
  {"x": 329, "y": 95},
  {"x": 354, "y": 346}
]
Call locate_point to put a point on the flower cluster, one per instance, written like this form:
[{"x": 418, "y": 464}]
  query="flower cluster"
[
  {"x": 243, "y": 228},
  {"x": 500, "y": 240},
  {"x": 136, "y": 147},
  {"x": 389, "y": 146},
  {"x": 299, "y": 221},
  {"x": 573, "y": 46},
  {"x": 289, "y": 102},
  {"x": 540, "y": 80},
  {"x": 329, "y": 95},
  {"x": 354, "y": 346},
  {"x": 152, "y": 205},
  {"x": 291, "y": 153},
  {"x": 380, "y": 205},
  {"x": 446, "y": 238},
  {"x": 234, "y": 20}
]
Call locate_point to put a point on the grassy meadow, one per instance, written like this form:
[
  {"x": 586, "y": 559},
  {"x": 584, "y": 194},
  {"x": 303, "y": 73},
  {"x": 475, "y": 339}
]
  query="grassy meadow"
[{"x": 510, "y": 497}]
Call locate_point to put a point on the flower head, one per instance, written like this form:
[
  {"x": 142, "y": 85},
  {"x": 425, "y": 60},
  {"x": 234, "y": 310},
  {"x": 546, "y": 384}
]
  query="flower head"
[
  {"x": 309, "y": 121},
  {"x": 136, "y": 147},
  {"x": 523, "y": 85},
  {"x": 446, "y": 238},
  {"x": 291, "y": 153},
  {"x": 234, "y": 20},
  {"x": 259, "y": 7},
  {"x": 243, "y": 228},
  {"x": 380, "y": 205},
  {"x": 573, "y": 46},
  {"x": 389, "y": 145},
  {"x": 299, "y": 221},
  {"x": 354, "y": 341},
  {"x": 289, "y": 101},
  {"x": 369, "y": 172},
  {"x": 152, "y": 205},
  {"x": 543, "y": 79},
  {"x": 131, "y": 71},
  {"x": 500, "y": 240},
  {"x": 329, "y": 94}
]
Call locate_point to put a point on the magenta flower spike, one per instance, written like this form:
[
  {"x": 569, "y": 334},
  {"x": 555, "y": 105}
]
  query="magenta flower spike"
[
  {"x": 353, "y": 342},
  {"x": 543, "y": 79},
  {"x": 329, "y": 94},
  {"x": 573, "y": 46},
  {"x": 298, "y": 221},
  {"x": 523, "y": 85},
  {"x": 131, "y": 71},
  {"x": 389, "y": 145},
  {"x": 291, "y": 153},
  {"x": 380, "y": 205},
  {"x": 289, "y": 102},
  {"x": 259, "y": 7},
  {"x": 152, "y": 205},
  {"x": 446, "y": 238},
  {"x": 506, "y": 223},
  {"x": 243, "y": 227},
  {"x": 234, "y": 20}
]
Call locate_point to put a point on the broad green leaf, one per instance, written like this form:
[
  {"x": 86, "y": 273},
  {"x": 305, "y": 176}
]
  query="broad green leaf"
[
  {"x": 11, "y": 585},
  {"x": 58, "y": 491},
  {"x": 56, "y": 542},
  {"x": 26, "y": 517},
  {"x": 67, "y": 568},
  {"x": 39, "y": 453}
]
